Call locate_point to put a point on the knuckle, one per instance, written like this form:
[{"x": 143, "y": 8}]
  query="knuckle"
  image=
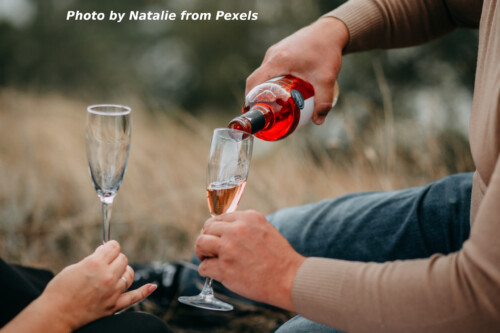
[
  {"x": 202, "y": 269},
  {"x": 141, "y": 294},
  {"x": 326, "y": 79},
  {"x": 136, "y": 296},
  {"x": 240, "y": 228},
  {"x": 109, "y": 310},
  {"x": 225, "y": 248},
  {"x": 272, "y": 50},
  {"x": 265, "y": 234},
  {"x": 132, "y": 273},
  {"x": 113, "y": 244},
  {"x": 198, "y": 246},
  {"x": 253, "y": 213},
  {"x": 249, "y": 80},
  {"x": 269, "y": 53},
  {"x": 279, "y": 56},
  {"x": 95, "y": 261},
  {"x": 225, "y": 262},
  {"x": 200, "y": 240},
  {"x": 108, "y": 279},
  {"x": 207, "y": 226},
  {"x": 124, "y": 259}
]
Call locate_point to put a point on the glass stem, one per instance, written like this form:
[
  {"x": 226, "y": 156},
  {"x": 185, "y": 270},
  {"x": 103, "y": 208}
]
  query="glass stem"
[
  {"x": 106, "y": 221},
  {"x": 207, "y": 290}
]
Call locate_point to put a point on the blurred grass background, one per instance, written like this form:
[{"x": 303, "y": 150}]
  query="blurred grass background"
[{"x": 401, "y": 121}]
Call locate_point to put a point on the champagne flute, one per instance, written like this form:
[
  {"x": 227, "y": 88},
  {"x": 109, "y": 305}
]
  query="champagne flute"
[
  {"x": 227, "y": 173},
  {"x": 108, "y": 146}
]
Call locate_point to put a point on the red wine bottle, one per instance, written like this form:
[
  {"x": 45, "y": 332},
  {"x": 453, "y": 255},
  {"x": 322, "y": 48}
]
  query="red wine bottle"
[{"x": 276, "y": 108}]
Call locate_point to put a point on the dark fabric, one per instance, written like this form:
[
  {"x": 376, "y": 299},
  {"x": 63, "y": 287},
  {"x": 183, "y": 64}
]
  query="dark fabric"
[
  {"x": 20, "y": 286},
  {"x": 126, "y": 322}
]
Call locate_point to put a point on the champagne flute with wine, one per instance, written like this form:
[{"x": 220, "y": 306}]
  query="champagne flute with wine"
[
  {"x": 227, "y": 172},
  {"x": 108, "y": 146}
]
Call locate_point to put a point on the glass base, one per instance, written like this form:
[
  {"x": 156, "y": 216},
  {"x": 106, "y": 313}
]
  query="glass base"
[{"x": 208, "y": 302}]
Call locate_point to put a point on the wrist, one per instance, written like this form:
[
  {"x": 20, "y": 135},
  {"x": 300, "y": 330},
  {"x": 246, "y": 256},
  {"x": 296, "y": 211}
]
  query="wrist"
[
  {"x": 58, "y": 318},
  {"x": 40, "y": 316},
  {"x": 337, "y": 30},
  {"x": 289, "y": 278}
]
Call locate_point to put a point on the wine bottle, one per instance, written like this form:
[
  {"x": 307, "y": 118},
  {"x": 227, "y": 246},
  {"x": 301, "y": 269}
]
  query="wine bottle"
[{"x": 276, "y": 108}]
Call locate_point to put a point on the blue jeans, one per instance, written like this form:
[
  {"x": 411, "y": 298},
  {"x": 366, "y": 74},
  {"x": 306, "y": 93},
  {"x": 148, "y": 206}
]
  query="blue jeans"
[{"x": 379, "y": 226}]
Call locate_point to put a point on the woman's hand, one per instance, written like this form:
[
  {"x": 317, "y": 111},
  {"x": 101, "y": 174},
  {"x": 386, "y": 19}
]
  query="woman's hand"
[
  {"x": 93, "y": 288},
  {"x": 314, "y": 54},
  {"x": 248, "y": 255}
]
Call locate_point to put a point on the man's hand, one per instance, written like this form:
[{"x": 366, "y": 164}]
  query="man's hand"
[
  {"x": 248, "y": 255},
  {"x": 314, "y": 54}
]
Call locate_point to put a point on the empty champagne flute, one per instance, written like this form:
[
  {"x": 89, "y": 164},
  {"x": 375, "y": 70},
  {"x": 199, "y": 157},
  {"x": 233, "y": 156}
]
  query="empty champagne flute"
[
  {"x": 227, "y": 173},
  {"x": 108, "y": 146}
]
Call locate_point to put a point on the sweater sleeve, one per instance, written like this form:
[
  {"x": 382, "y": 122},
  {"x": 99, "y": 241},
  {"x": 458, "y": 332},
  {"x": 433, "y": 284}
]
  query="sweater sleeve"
[
  {"x": 374, "y": 24},
  {"x": 459, "y": 292}
]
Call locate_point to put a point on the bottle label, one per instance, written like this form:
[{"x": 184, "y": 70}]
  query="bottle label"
[
  {"x": 306, "y": 112},
  {"x": 297, "y": 97}
]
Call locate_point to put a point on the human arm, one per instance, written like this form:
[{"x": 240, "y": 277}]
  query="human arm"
[
  {"x": 81, "y": 293},
  {"x": 384, "y": 24},
  {"x": 457, "y": 292},
  {"x": 314, "y": 53}
]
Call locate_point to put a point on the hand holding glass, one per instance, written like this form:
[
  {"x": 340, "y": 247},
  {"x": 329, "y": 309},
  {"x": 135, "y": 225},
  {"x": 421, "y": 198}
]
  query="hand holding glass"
[
  {"x": 227, "y": 173},
  {"x": 108, "y": 146}
]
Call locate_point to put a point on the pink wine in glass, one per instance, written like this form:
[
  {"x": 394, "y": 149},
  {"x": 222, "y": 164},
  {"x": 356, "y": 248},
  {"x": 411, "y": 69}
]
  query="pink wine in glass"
[
  {"x": 224, "y": 196},
  {"x": 277, "y": 107}
]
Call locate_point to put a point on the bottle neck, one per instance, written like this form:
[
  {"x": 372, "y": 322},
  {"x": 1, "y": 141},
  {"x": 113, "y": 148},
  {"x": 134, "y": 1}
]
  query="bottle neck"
[{"x": 252, "y": 121}]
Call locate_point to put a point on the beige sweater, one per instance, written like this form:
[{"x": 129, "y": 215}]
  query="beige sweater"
[{"x": 459, "y": 292}]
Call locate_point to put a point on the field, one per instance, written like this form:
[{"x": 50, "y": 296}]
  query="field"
[{"x": 50, "y": 215}]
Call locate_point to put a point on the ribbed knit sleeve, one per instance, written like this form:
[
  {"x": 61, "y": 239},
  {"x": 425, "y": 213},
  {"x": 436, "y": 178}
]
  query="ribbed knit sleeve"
[
  {"x": 375, "y": 24},
  {"x": 440, "y": 294},
  {"x": 459, "y": 292}
]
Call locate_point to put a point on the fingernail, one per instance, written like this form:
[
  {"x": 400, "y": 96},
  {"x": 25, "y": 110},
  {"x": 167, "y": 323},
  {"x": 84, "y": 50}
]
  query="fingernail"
[{"x": 152, "y": 287}]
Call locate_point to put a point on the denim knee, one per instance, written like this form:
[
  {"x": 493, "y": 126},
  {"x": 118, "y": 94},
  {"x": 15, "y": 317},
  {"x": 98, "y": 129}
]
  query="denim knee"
[{"x": 299, "y": 324}]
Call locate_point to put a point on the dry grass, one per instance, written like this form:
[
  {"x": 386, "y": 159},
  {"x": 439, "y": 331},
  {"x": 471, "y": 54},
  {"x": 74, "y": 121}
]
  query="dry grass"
[{"x": 50, "y": 215}]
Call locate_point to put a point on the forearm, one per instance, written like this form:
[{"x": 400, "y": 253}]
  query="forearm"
[
  {"x": 376, "y": 24},
  {"x": 453, "y": 293},
  {"x": 38, "y": 317},
  {"x": 406, "y": 296}
]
